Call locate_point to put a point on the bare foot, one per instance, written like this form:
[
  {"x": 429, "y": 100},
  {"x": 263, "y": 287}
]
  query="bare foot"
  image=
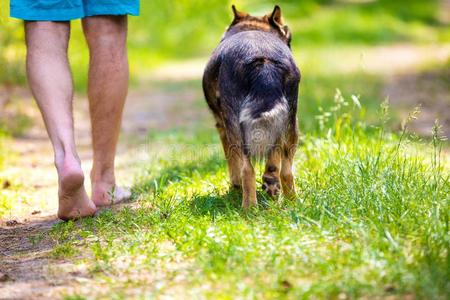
[
  {"x": 106, "y": 194},
  {"x": 74, "y": 202}
]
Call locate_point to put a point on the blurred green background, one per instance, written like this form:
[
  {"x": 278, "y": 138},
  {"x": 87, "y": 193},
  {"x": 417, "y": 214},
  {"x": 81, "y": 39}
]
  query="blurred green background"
[
  {"x": 180, "y": 29},
  {"x": 337, "y": 43}
]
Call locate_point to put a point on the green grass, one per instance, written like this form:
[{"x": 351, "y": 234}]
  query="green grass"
[
  {"x": 370, "y": 220},
  {"x": 371, "y": 216}
]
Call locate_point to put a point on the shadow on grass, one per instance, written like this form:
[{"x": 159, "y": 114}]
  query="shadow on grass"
[
  {"x": 216, "y": 202},
  {"x": 225, "y": 204},
  {"x": 178, "y": 172}
]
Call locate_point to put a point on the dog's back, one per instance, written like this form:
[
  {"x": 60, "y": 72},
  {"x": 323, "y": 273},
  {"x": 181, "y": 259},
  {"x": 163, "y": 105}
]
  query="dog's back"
[{"x": 252, "y": 88}]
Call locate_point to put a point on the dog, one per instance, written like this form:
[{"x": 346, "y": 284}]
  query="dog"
[{"x": 251, "y": 86}]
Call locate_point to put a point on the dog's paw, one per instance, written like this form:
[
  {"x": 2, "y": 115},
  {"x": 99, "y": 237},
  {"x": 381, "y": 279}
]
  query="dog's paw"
[{"x": 271, "y": 185}]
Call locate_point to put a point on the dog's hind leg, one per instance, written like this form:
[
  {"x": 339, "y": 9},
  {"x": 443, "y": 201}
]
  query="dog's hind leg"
[
  {"x": 271, "y": 177},
  {"x": 287, "y": 178},
  {"x": 291, "y": 136},
  {"x": 248, "y": 183},
  {"x": 234, "y": 166},
  {"x": 233, "y": 156}
]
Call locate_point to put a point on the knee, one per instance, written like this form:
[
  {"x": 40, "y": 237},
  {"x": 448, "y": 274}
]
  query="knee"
[
  {"x": 47, "y": 38},
  {"x": 106, "y": 34},
  {"x": 107, "y": 46}
]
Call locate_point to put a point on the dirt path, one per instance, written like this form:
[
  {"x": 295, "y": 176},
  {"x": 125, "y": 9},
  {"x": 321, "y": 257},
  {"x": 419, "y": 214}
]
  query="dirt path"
[{"x": 26, "y": 270}]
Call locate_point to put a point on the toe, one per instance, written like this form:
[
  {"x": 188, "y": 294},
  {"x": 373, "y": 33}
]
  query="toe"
[
  {"x": 122, "y": 194},
  {"x": 114, "y": 196}
]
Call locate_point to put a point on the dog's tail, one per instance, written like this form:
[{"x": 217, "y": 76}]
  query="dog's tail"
[{"x": 264, "y": 112}]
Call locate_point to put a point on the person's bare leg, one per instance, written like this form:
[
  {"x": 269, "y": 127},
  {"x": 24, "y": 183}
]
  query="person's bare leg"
[
  {"x": 51, "y": 83},
  {"x": 107, "y": 90}
]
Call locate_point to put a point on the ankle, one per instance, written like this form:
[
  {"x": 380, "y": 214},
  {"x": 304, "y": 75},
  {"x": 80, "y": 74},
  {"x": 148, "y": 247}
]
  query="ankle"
[
  {"x": 103, "y": 176},
  {"x": 66, "y": 163}
]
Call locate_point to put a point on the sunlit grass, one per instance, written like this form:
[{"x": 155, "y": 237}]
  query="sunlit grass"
[
  {"x": 371, "y": 216},
  {"x": 370, "y": 220}
]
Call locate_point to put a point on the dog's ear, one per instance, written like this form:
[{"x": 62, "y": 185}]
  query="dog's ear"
[
  {"x": 237, "y": 14},
  {"x": 287, "y": 34},
  {"x": 275, "y": 17},
  {"x": 276, "y": 20}
]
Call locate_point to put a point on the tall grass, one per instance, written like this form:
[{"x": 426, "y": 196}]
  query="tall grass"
[{"x": 370, "y": 220}]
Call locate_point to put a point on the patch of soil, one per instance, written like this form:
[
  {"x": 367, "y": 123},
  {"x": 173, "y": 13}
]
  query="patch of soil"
[{"x": 24, "y": 258}]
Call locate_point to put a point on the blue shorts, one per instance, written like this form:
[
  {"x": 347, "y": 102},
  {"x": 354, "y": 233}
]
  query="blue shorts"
[{"x": 66, "y": 10}]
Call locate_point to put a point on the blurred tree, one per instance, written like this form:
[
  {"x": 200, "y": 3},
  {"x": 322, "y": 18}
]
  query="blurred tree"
[{"x": 180, "y": 29}]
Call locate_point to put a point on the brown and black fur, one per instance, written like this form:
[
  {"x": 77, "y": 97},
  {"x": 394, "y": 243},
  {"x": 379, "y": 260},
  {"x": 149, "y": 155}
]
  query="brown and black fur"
[{"x": 251, "y": 86}]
